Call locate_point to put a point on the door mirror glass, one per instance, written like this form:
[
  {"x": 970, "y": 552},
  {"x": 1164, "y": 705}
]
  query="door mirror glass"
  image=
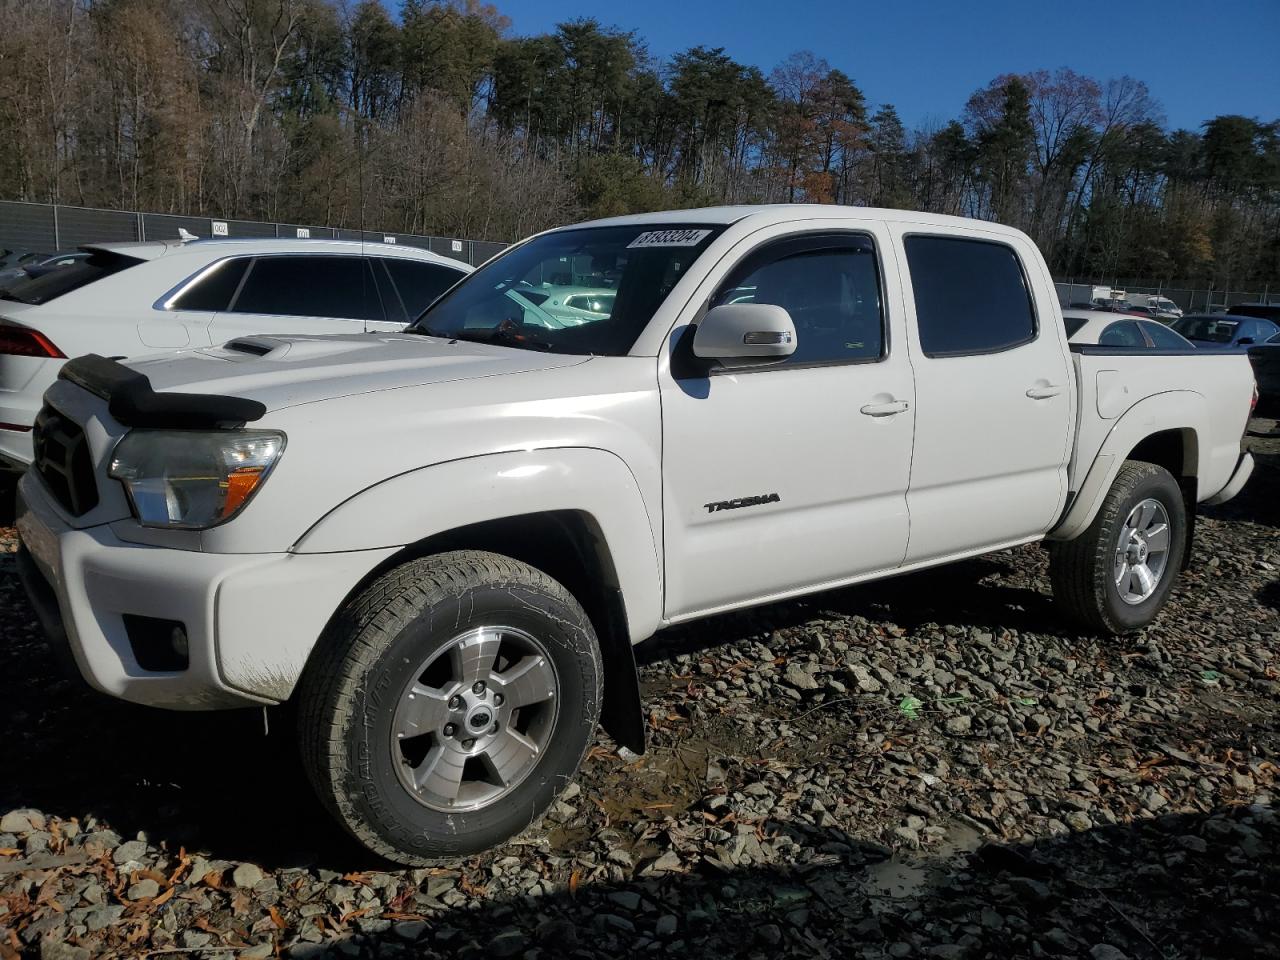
[
  {"x": 739, "y": 331},
  {"x": 1245, "y": 341}
]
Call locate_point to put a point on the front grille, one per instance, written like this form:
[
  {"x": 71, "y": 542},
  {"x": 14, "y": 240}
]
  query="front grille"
[{"x": 63, "y": 462}]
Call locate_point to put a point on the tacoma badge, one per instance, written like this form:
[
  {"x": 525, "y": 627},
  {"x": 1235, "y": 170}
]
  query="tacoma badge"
[{"x": 742, "y": 502}]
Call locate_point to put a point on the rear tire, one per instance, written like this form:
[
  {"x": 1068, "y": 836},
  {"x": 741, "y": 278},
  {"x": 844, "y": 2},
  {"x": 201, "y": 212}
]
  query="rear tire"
[
  {"x": 448, "y": 704},
  {"x": 1098, "y": 578}
]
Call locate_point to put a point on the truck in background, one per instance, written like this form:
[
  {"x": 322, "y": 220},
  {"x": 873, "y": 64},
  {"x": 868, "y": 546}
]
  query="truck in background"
[{"x": 1162, "y": 308}]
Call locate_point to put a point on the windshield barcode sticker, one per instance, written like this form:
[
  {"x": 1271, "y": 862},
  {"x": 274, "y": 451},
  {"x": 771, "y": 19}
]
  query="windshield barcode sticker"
[{"x": 669, "y": 238}]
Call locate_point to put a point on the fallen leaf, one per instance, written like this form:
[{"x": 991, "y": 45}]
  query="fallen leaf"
[
  {"x": 276, "y": 918},
  {"x": 164, "y": 897},
  {"x": 574, "y": 879}
]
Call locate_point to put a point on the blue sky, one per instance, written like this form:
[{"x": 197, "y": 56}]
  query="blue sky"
[{"x": 1199, "y": 59}]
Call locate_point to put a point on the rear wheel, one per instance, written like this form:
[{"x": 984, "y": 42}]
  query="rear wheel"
[
  {"x": 1115, "y": 577},
  {"x": 448, "y": 704}
]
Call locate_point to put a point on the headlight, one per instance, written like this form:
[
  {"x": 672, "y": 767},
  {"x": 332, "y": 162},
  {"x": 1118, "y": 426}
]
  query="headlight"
[{"x": 193, "y": 479}]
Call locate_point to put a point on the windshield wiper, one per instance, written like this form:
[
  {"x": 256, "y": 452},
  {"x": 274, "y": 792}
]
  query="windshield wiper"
[
  {"x": 424, "y": 331},
  {"x": 504, "y": 336}
]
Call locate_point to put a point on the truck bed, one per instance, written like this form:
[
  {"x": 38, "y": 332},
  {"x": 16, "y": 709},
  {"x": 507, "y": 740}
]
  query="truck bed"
[{"x": 1210, "y": 390}]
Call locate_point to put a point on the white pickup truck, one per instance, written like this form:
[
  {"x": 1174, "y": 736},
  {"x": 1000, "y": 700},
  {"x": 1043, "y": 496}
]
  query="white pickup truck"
[{"x": 440, "y": 545}]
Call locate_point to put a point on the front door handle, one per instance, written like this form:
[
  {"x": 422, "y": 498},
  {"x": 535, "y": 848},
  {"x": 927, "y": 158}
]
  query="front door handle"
[
  {"x": 1044, "y": 392},
  {"x": 886, "y": 409}
]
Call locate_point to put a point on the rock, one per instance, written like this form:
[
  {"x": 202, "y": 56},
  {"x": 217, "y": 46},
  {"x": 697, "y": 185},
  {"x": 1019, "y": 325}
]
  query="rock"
[
  {"x": 1030, "y": 889},
  {"x": 770, "y": 933},
  {"x": 798, "y": 677},
  {"x": 1078, "y": 821},
  {"x": 259, "y": 951},
  {"x": 193, "y": 939},
  {"x": 246, "y": 876},
  {"x": 410, "y": 930},
  {"x": 1105, "y": 951},
  {"x": 103, "y": 839},
  {"x": 863, "y": 680},
  {"x": 666, "y": 926},
  {"x": 51, "y": 949},
  {"x": 130, "y": 852},
  {"x": 507, "y": 944},
  {"x": 627, "y": 899},
  {"x": 958, "y": 726},
  {"x": 1192, "y": 843},
  {"x": 22, "y": 821},
  {"x": 667, "y": 863},
  {"x": 144, "y": 889},
  {"x": 100, "y": 918},
  {"x": 907, "y": 835}
]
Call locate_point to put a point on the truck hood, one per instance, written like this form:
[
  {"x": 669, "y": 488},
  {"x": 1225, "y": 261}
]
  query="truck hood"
[{"x": 286, "y": 371}]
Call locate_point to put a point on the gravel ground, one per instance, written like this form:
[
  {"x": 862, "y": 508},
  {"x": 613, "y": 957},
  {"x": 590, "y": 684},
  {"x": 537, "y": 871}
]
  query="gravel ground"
[{"x": 933, "y": 767}]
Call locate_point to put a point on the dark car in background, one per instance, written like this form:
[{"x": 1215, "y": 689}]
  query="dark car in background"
[
  {"x": 17, "y": 258},
  {"x": 1263, "y": 311},
  {"x": 1225, "y": 330},
  {"x": 39, "y": 265},
  {"x": 1265, "y": 358}
]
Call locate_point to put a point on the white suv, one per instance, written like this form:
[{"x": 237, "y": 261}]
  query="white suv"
[{"x": 128, "y": 299}]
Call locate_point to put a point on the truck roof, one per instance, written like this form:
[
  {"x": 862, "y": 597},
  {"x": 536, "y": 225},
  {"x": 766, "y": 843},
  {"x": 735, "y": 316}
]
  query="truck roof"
[{"x": 785, "y": 212}]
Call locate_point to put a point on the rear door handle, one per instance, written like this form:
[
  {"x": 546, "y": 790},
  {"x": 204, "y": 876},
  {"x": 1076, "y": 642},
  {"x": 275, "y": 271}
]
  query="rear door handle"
[
  {"x": 1044, "y": 392},
  {"x": 886, "y": 409}
]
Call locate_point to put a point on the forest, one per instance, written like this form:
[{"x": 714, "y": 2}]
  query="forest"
[{"x": 433, "y": 117}]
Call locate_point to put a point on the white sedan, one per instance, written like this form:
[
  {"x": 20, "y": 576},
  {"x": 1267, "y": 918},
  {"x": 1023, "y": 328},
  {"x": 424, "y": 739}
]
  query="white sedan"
[
  {"x": 131, "y": 299},
  {"x": 1108, "y": 329}
]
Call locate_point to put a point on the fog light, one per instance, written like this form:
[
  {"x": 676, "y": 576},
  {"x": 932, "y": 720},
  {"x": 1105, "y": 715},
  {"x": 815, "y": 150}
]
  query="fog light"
[
  {"x": 178, "y": 644},
  {"x": 158, "y": 645}
]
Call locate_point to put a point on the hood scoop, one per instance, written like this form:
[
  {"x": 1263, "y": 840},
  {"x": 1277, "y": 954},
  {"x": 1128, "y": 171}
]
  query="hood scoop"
[
  {"x": 292, "y": 348},
  {"x": 253, "y": 347}
]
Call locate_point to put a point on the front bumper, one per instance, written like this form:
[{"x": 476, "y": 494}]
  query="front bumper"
[{"x": 251, "y": 619}]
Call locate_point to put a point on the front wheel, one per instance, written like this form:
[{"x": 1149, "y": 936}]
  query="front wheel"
[
  {"x": 1117, "y": 574},
  {"x": 448, "y": 704}
]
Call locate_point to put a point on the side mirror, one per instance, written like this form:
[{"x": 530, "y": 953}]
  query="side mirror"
[
  {"x": 1246, "y": 341},
  {"x": 743, "y": 331}
]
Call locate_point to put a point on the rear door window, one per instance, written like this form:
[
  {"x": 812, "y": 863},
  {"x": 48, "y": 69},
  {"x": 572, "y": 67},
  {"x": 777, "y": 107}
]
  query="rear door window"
[
  {"x": 419, "y": 283},
  {"x": 61, "y": 281},
  {"x": 214, "y": 289},
  {"x": 1163, "y": 337},
  {"x": 310, "y": 286},
  {"x": 1122, "y": 334},
  {"x": 971, "y": 296}
]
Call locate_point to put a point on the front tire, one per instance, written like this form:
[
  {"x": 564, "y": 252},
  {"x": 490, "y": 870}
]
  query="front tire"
[
  {"x": 1116, "y": 576},
  {"x": 448, "y": 703}
]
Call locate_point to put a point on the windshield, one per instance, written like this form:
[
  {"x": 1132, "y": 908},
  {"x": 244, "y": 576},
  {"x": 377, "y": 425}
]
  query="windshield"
[
  {"x": 44, "y": 286},
  {"x": 1206, "y": 330},
  {"x": 585, "y": 291}
]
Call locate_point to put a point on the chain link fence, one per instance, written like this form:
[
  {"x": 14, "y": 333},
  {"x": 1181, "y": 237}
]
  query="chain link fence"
[
  {"x": 1189, "y": 299},
  {"x": 48, "y": 227}
]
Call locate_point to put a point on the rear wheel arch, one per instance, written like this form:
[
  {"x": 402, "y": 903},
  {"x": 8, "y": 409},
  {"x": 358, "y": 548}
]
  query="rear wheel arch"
[{"x": 1164, "y": 429}]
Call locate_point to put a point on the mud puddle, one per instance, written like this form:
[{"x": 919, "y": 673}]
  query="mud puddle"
[{"x": 903, "y": 876}]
